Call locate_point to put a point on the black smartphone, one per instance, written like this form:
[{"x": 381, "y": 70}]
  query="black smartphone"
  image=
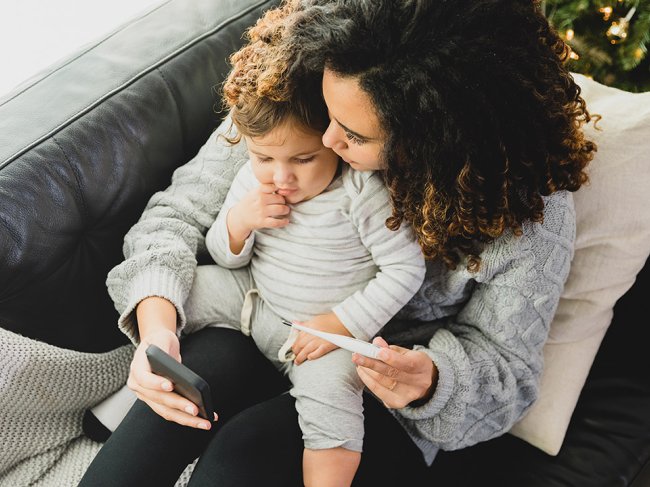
[{"x": 186, "y": 382}]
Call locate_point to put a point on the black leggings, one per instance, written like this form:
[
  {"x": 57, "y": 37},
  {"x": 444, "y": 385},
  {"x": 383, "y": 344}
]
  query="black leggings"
[{"x": 256, "y": 441}]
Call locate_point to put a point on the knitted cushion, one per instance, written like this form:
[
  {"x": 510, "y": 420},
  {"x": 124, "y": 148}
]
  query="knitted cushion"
[{"x": 612, "y": 244}]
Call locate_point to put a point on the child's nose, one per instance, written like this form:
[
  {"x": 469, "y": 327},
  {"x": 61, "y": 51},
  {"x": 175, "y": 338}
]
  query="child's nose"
[{"x": 282, "y": 175}]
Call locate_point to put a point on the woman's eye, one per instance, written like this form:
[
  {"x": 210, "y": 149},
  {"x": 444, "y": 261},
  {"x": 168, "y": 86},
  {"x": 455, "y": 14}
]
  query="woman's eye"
[
  {"x": 354, "y": 139},
  {"x": 306, "y": 160}
]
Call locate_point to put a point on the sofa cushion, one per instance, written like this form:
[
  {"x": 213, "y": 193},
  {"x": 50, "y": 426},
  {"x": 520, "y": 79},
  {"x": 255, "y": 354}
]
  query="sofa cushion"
[{"x": 612, "y": 244}]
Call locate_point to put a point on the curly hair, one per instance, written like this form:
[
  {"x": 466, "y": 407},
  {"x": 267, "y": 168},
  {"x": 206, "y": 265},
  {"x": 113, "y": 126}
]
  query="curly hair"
[
  {"x": 258, "y": 92},
  {"x": 482, "y": 117}
]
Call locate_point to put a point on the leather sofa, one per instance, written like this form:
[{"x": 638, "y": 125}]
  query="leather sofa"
[{"x": 84, "y": 145}]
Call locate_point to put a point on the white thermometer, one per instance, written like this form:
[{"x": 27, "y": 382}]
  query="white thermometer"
[{"x": 348, "y": 343}]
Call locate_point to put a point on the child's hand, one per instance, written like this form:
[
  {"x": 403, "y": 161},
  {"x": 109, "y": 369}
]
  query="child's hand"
[
  {"x": 309, "y": 347},
  {"x": 260, "y": 208}
]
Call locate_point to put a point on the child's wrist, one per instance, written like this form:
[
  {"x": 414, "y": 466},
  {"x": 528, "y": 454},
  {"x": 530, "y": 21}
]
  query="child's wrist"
[{"x": 236, "y": 229}]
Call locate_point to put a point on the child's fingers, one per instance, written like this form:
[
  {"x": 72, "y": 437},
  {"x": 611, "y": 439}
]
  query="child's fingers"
[
  {"x": 305, "y": 351},
  {"x": 299, "y": 343},
  {"x": 321, "y": 350},
  {"x": 276, "y": 209},
  {"x": 268, "y": 188},
  {"x": 271, "y": 222}
]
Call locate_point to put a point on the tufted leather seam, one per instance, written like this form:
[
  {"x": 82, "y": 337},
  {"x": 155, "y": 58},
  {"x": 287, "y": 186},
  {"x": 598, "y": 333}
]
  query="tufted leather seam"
[
  {"x": 178, "y": 106},
  {"x": 78, "y": 189},
  {"x": 132, "y": 80}
]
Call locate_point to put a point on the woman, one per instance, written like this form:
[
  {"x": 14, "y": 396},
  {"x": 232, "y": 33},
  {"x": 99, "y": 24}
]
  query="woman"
[{"x": 474, "y": 120}]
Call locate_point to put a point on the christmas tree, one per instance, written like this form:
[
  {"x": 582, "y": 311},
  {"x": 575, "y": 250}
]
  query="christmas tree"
[{"x": 608, "y": 39}]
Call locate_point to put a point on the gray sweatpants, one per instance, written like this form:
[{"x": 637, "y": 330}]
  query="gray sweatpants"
[{"x": 328, "y": 390}]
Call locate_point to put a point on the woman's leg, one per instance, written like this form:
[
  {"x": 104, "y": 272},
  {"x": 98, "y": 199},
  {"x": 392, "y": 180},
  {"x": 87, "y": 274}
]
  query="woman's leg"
[
  {"x": 263, "y": 445},
  {"x": 389, "y": 455},
  {"x": 148, "y": 450}
]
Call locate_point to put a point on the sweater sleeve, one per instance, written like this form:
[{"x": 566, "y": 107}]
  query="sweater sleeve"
[
  {"x": 397, "y": 255},
  {"x": 217, "y": 239},
  {"x": 489, "y": 356},
  {"x": 161, "y": 248}
]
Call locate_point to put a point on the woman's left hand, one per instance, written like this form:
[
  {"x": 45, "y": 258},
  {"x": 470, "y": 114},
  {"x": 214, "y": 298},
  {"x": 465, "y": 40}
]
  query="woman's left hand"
[{"x": 399, "y": 376}]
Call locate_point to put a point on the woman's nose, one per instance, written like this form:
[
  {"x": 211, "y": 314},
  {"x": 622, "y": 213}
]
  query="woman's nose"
[{"x": 333, "y": 137}]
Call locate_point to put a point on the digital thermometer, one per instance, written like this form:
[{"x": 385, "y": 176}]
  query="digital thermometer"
[{"x": 348, "y": 343}]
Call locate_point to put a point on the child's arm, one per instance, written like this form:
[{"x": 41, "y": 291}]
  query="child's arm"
[
  {"x": 397, "y": 254},
  {"x": 401, "y": 273},
  {"x": 249, "y": 206}
]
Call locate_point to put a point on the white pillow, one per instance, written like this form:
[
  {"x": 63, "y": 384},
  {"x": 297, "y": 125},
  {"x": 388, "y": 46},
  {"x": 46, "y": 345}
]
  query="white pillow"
[{"x": 612, "y": 245}]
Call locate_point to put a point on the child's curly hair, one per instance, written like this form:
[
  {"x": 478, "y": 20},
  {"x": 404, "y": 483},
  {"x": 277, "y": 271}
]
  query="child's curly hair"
[
  {"x": 481, "y": 114},
  {"x": 258, "y": 92}
]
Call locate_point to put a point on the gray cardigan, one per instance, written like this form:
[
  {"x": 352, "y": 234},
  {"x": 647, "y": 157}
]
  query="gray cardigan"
[{"x": 490, "y": 325}]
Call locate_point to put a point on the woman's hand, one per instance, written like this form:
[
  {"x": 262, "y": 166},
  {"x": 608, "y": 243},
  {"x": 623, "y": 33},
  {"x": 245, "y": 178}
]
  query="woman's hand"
[
  {"x": 155, "y": 390},
  {"x": 400, "y": 376}
]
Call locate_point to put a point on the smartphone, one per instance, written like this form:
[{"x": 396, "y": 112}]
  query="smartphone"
[{"x": 186, "y": 383}]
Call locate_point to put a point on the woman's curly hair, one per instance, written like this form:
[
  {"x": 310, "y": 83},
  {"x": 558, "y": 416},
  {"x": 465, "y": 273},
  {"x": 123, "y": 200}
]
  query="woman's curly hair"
[
  {"x": 482, "y": 116},
  {"x": 258, "y": 92}
]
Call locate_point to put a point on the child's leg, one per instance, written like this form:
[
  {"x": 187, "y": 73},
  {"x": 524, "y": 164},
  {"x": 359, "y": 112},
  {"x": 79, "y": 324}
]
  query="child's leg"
[
  {"x": 216, "y": 297},
  {"x": 333, "y": 467},
  {"x": 328, "y": 395}
]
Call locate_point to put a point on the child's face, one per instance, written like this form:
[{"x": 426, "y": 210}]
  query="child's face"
[{"x": 296, "y": 162}]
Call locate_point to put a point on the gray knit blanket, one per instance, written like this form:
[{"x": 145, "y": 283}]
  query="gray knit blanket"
[{"x": 44, "y": 392}]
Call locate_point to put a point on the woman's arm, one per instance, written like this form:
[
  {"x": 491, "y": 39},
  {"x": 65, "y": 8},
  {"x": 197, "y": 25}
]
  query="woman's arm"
[
  {"x": 150, "y": 286},
  {"x": 488, "y": 358},
  {"x": 161, "y": 248}
]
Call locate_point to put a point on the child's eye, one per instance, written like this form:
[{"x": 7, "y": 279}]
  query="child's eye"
[
  {"x": 305, "y": 161},
  {"x": 354, "y": 139},
  {"x": 263, "y": 159}
]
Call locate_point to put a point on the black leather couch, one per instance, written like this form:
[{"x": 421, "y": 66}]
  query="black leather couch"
[{"x": 86, "y": 143}]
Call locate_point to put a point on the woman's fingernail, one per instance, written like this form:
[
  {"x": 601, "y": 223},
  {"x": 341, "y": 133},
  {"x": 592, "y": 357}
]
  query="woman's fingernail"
[
  {"x": 216, "y": 416},
  {"x": 204, "y": 426},
  {"x": 189, "y": 410},
  {"x": 167, "y": 386}
]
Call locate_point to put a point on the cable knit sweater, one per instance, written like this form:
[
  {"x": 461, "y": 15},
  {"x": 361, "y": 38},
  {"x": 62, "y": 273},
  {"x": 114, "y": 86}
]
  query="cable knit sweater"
[{"x": 488, "y": 327}]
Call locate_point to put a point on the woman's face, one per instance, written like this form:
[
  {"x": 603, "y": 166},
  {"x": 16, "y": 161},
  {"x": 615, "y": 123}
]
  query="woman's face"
[{"x": 354, "y": 132}]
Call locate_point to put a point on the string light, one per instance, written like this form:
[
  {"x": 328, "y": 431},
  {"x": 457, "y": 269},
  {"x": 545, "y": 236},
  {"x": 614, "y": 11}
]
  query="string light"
[
  {"x": 574, "y": 55},
  {"x": 617, "y": 32},
  {"x": 607, "y": 12},
  {"x": 570, "y": 34}
]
